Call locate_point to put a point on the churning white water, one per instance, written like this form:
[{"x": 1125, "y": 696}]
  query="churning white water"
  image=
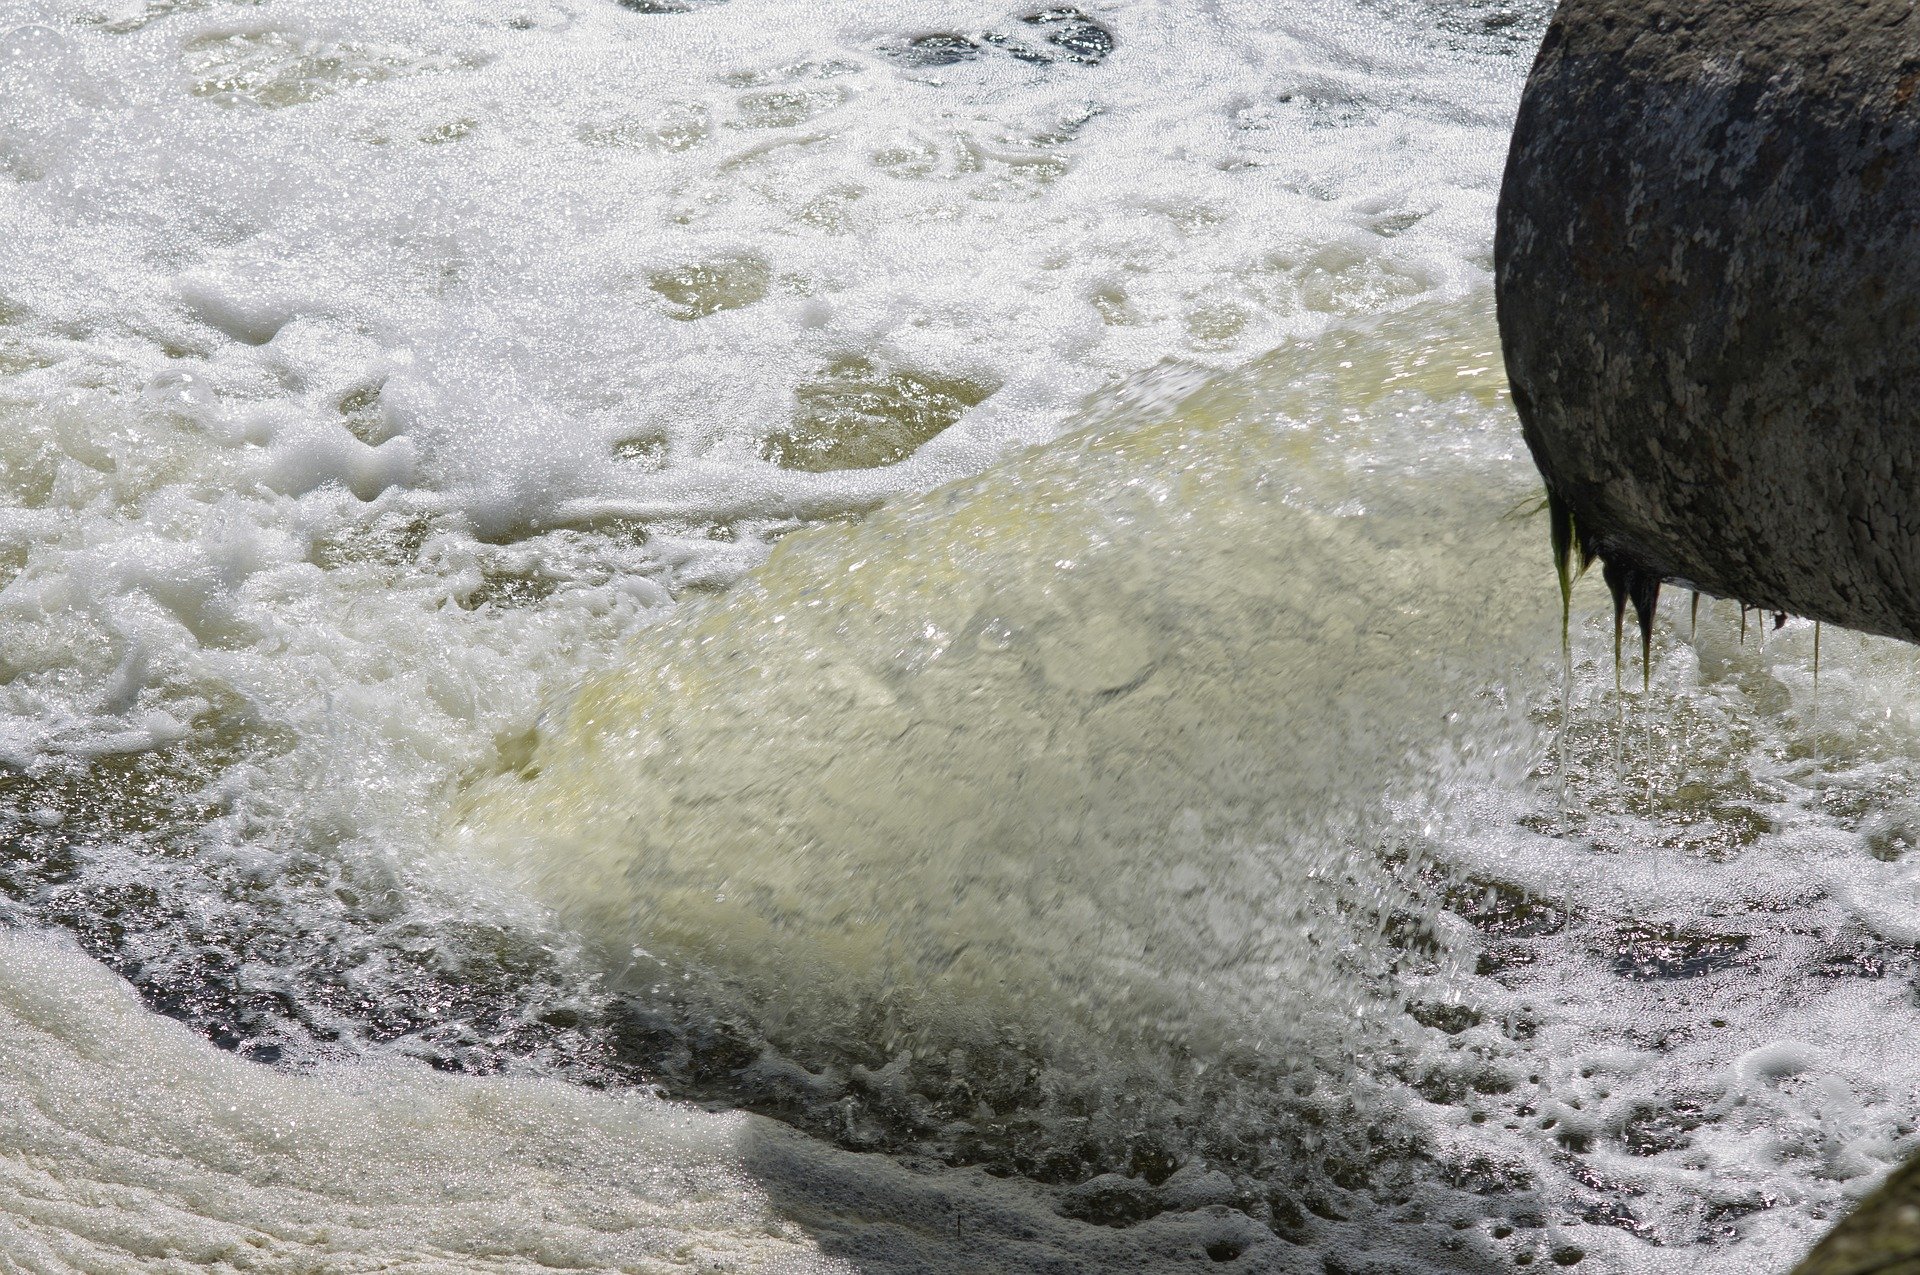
[{"x": 1132, "y": 822}]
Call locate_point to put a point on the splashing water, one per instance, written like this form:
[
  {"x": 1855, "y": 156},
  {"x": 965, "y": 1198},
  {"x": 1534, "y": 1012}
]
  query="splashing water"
[{"x": 1050, "y": 797}]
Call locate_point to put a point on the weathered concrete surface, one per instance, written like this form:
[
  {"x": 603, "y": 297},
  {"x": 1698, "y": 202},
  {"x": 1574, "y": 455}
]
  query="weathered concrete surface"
[{"x": 1708, "y": 270}]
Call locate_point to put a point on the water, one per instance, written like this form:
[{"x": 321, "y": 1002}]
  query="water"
[{"x": 547, "y": 718}]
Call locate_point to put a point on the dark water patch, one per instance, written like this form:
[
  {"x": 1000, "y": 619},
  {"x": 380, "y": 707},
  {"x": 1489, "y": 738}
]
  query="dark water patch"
[
  {"x": 666, "y": 6},
  {"x": 1854, "y": 952},
  {"x": 1077, "y": 37},
  {"x": 1450, "y": 1019},
  {"x": 361, "y": 412},
  {"x": 1644, "y": 950},
  {"x": 1459, "y": 1081},
  {"x": 1654, "y": 1130},
  {"x": 857, "y": 415},
  {"x": 1502, "y": 28},
  {"x": 316, "y": 953},
  {"x": 392, "y": 538},
  {"x": 1480, "y": 1174},
  {"x": 1508, "y": 917},
  {"x": 1722, "y": 1220},
  {"x": 426, "y": 559},
  {"x": 1504, "y": 911},
  {"x": 509, "y": 586},
  {"x": 647, "y": 451},
  {"x": 64, "y": 803},
  {"x": 702, "y": 289},
  {"x": 1414, "y": 935},
  {"x": 1044, "y": 37},
  {"x": 1608, "y": 1202},
  {"x": 942, "y": 49},
  {"x": 1501, "y": 958},
  {"x": 1305, "y": 1165},
  {"x": 1891, "y": 834}
]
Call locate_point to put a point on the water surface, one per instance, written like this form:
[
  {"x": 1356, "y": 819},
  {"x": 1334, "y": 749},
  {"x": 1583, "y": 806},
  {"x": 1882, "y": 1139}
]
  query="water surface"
[{"x": 754, "y": 636}]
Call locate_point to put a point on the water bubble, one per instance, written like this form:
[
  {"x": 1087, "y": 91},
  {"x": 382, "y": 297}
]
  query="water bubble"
[{"x": 34, "y": 42}]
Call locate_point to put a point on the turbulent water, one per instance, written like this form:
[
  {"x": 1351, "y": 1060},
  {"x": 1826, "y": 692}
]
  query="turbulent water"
[{"x": 725, "y": 635}]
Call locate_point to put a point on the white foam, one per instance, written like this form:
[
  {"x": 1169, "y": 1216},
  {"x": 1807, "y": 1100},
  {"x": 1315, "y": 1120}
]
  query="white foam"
[{"x": 202, "y": 1158}]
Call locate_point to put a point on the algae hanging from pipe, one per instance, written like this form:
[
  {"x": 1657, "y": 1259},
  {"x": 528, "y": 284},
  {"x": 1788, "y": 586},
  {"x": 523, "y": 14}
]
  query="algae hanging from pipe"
[
  {"x": 1571, "y": 558},
  {"x": 1643, "y": 590}
]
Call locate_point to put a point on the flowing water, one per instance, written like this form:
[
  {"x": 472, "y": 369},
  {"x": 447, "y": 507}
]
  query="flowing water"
[{"x": 733, "y": 635}]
